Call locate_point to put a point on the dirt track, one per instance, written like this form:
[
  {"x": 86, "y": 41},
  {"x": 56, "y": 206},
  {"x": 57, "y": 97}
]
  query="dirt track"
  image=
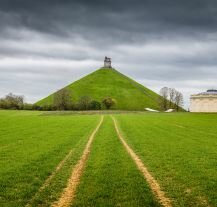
[
  {"x": 69, "y": 192},
  {"x": 154, "y": 185}
]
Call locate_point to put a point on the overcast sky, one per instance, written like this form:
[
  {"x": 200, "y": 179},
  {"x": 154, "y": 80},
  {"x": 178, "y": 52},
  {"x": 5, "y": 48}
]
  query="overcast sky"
[{"x": 47, "y": 44}]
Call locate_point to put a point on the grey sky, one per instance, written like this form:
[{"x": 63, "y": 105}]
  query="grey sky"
[{"x": 47, "y": 44}]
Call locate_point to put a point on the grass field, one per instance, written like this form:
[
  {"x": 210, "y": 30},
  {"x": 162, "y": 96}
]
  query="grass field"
[
  {"x": 111, "y": 177},
  {"x": 181, "y": 152},
  {"x": 31, "y": 148},
  {"x": 39, "y": 151}
]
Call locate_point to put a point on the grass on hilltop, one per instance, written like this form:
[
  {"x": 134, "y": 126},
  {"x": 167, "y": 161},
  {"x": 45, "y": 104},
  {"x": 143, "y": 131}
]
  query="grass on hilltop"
[{"x": 102, "y": 83}]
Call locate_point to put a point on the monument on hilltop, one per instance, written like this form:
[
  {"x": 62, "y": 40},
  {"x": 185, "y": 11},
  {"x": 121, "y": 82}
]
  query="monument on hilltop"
[{"x": 107, "y": 62}]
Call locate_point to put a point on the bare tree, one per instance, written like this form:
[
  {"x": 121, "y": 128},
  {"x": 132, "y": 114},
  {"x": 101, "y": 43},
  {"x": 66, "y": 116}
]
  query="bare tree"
[
  {"x": 179, "y": 101},
  {"x": 171, "y": 98},
  {"x": 84, "y": 103},
  {"x": 62, "y": 99},
  {"x": 172, "y": 92},
  {"x": 163, "y": 101}
]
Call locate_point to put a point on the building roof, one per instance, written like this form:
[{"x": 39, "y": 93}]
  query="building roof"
[{"x": 209, "y": 92}]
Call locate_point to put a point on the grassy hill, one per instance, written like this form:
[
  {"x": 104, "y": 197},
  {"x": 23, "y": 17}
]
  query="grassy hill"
[{"x": 129, "y": 94}]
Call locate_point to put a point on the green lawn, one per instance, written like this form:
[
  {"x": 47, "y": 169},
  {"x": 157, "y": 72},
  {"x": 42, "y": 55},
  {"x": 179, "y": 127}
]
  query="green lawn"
[
  {"x": 111, "y": 178},
  {"x": 179, "y": 149},
  {"x": 31, "y": 146}
]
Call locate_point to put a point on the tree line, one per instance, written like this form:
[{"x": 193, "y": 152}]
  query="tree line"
[
  {"x": 170, "y": 98},
  {"x": 62, "y": 100},
  {"x": 12, "y": 101}
]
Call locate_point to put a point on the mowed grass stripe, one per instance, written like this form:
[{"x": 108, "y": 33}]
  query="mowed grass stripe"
[
  {"x": 154, "y": 185},
  {"x": 69, "y": 192},
  {"x": 111, "y": 177}
]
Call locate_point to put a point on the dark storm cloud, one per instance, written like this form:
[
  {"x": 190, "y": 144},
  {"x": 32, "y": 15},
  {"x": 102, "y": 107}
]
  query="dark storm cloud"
[
  {"x": 163, "y": 42},
  {"x": 123, "y": 18}
]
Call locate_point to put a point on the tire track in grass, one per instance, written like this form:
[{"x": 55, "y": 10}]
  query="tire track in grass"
[
  {"x": 154, "y": 185},
  {"x": 50, "y": 178},
  {"x": 69, "y": 192},
  {"x": 111, "y": 177}
]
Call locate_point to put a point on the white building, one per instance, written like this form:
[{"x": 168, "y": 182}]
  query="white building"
[
  {"x": 204, "y": 102},
  {"x": 107, "y": 62}
]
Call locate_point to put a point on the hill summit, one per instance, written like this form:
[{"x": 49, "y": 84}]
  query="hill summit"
[{"x": 108, "y": 82}]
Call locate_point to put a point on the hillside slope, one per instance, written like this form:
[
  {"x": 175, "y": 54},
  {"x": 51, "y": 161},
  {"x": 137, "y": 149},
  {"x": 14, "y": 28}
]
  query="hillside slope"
[{"x": 129, "y": 94}]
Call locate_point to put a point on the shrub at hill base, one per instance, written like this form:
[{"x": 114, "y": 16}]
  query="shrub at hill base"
[
  {"x": 86, "y": 103},
  {"x": 108, "y": 102},
  {"x": 95, "y": 105}
]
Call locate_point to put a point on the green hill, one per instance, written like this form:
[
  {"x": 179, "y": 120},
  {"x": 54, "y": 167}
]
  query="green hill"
[{"x": 129, "y": 94}]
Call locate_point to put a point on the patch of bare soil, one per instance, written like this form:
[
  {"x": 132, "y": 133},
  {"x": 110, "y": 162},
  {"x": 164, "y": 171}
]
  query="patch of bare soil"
[
  {"x": 154, "y": 185},
  {"x": 69, "y": 192},
  {"x": 203, "y": 201}
]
